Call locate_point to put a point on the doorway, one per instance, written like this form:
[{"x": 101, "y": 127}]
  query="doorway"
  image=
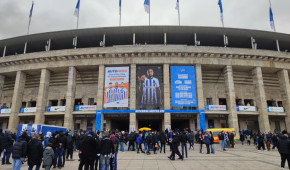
[
  {"x": 120, "y": 124},
  {"x": 179, "y": 124},
  {"x": 154, "y": 124}
]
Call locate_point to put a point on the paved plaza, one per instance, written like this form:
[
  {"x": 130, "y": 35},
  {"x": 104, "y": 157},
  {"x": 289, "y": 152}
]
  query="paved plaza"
[{"x": 241, "y": 157}]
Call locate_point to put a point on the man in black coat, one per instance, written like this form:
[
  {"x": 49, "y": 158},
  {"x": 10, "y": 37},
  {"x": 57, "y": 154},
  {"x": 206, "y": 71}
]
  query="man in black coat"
[
  {"x": 175, "y": 143},
  {"x": 60, "y": 144},
  {"x": 19, "y": 151},
  {"x": 8, "y": 145},
  {"x": 88, "y": 151},
  {"x": 162, "y": 139},
  {"x": 149, "y": 141},
  {"x": 34, "y": 152},
  {"x": 132, "y": 139},
  {"x": 284, "y": 149},
  {"x": 183, "y": 140},
  {"x": 106, "y": 148}
]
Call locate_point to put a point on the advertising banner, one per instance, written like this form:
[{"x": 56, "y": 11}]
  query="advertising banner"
[
  {"x": 28, "y": 110},
  {"x": 246, "y": 108},
  {"x": 149, "y": 87},
  {"x": 183, "y": 88},
  {"x": 275, "y": 109},
  {"x": 116, "y": 87},
  {"x": 55, "y": 109},
  {"x": 5, "y": 111},
  {"x": 216, "y": 107},
  {"x": 85, "y": 107}
]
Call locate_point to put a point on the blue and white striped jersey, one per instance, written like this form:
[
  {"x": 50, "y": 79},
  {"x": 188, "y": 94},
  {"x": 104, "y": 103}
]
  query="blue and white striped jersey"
[
  {"x": 123, "y": 93},
  {"x": 109, "y": 95},
  {"x": 116, "y": 94},
  {"x": 149, "y": 97}
]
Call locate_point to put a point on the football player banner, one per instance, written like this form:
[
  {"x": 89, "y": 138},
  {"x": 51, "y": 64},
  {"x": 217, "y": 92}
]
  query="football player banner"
[
  {"x": 149, "y": 87},
  {"x": 116, "y": 90}
]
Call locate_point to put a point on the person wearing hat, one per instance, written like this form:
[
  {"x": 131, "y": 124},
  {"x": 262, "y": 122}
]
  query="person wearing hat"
[
  {"x": 284, "y": 149},
  {"x": 48, "y": 157}
]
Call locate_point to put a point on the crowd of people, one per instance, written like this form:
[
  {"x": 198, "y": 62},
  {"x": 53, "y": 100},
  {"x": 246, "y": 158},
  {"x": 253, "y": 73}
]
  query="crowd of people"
[{"x": 100, "y": 150}]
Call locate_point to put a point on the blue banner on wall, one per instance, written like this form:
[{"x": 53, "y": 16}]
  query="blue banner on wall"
[
  {"x": 98, "y": 121},
  {"x": 202, "y": 120},
  {"x": 183, "y": 87}
]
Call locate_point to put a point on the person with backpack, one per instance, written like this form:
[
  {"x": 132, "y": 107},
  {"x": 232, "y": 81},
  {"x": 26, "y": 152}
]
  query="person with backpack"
[
  {"x": 149, "y": 141},
  {"x": 113, "y": 157},
  {"x": 48, "y": 157},
  {"x": 162, "y": 139},
  {"x": 34, "y": 152},
  {"x": 284, "y": 149},
  {"x": 19, "y": 151},
  {"x": 139, "y": 143},
  {"x": 207, "y": 142},
  {"x": 69, "y": 146},
  {"x": 132, "y": 140},
  {"x": 106, "y": 149},
  {"x": 190, "y": 137}
]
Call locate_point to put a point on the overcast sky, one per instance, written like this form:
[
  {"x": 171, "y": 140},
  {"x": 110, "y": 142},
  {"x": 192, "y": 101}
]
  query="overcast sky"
[{"x": 55, "y": 15}]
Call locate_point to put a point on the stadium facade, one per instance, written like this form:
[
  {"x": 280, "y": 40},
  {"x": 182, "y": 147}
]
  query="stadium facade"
[{"x": 153, "y": 76}]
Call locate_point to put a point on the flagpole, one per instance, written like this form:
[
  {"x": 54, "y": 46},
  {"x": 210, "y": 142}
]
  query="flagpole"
[
  {"x": 273, "y": 16},
  {"x": 149, "y": 11},
  {"x": 179, "y": 12},
  {"x": 28, "y": 29},
  {"x": 78, "y": 15},
  {"x": 28, "y": 26},
  {"x": 120, "y": 8}
]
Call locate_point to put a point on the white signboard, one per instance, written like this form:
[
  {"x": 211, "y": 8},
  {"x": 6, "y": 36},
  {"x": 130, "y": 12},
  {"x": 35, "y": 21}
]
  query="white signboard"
[
  {"x": 5, "y": 111},
  {"x": 246, "y": 108},
  {"x": 28, "y": 110},
  {"x": 275, "y": 109},
  {"x": 216, "y": 107},
  {"x": 85, "y": 107},
  {"x": 55, "y": 109}
]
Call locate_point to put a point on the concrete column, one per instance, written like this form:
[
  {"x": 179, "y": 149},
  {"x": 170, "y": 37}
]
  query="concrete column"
[
  {"x": 285, "y": 91},
  {"x": 192, "y": 124},
  {"x": 70, "y": 98},
  {"x": 199, "y": 90},
  {"x": 100, "y": 93},
  {"x": 166, "y": 99},
  {"x": 263, "y": 118},
  {"x": 231, "y": 99},
  {"x": 17, "y": 99},
  {"x": 42, "y": 96},
  {"x": 2, "y": 80},
  {"x": 132, "y": 119}
]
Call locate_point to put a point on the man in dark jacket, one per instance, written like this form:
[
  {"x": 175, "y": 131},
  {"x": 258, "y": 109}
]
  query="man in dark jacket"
[
  {"x": 60, "y": 143},
  {"x": 19, "y": 152},
  {"x": 175, "y": 143},
  {"x": 155, "y": 141},
  {"x": 132, "y": 139},
  {"x": 106, "y": 148},
  {"x": 162, "y": 139},
  {"x": 261, "y": 139},
  {"x": 190, "y": 137},
  {"x": 34, "y": 152},
  {"x": 284, "y": 149},
  {"x": 183, "y": 140},
  {"x": 69, "y": 146},
  {"x": 88, "y": 151},
  {"x": 2, "y": 138},
  {"x": 149, "y": 141},
  {"x": 8, "y": 145}
]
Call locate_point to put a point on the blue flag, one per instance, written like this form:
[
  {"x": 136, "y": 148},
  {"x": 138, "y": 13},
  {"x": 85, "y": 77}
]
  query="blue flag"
[
  {"x": 271, "y": 19},
  {"x": 76, "y": 13},
  {"x": 31, "y": 10},
  {"x": 120, "y": 6},
  {"x": 147, "y": 6},
  {"x": 177, "y": 5},
  {"x": 221, "y": 10}
]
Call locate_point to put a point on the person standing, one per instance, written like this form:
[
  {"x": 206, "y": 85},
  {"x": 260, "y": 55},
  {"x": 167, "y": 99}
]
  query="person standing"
[
  {"x": 162, "y": 139},
  {"x": 200, "y": 141},
  {"x": 48, "y": 157},
  {"x": 207, "y": 142},
  {"x": 60, "y": 143},
  {"x": 69, "y": 146},
  {"x": 34, "y": 152},
  {"x": 275, "y": 140},
  {"x": 222, "y": 140},
  {"x": 19, "y": 152},
  {"x": 261, "y": 143},
  {"x": 249, "y": 139},
  {"x": 122, "y": 141},
  {"x": 183, "y": 140},
  {"x": 149, "y": 141},
  {"x": 284, "y": 149},
  {"x": 88, "y": 150},
  {"x": 8, "y": 146},
  {"x": 212, "y": 143},
  {"x": 139, "y": 143},
  {"x": 106, "y": 149},
  {"x": 242, "y": 138},
  {"x": 155, "y": 141},
  {"x": 190, "y": 137},
  {"x": 232, "y": 139}
]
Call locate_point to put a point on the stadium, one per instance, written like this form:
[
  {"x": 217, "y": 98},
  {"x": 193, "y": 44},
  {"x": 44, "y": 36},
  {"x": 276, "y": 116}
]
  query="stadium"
[{"x": 162, "y": 77}]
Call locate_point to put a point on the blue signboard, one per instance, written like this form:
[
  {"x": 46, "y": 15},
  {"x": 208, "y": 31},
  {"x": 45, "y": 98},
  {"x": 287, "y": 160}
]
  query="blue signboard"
[
  {"x": 202, "y": 120},
  {"x": 183, "y": 88},
  {"x": 98, "y": 121}
]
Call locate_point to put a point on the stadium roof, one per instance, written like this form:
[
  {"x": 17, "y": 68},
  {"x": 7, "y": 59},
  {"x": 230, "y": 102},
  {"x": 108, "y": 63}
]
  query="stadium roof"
[{"x": 175, "y": 35}]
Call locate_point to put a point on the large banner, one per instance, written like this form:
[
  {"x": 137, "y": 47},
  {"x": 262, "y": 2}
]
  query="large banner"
[
  {"x": 149, "y": 87},
  {"x": 183, "y": 89},
  {"x": 116, "y": 87}
]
